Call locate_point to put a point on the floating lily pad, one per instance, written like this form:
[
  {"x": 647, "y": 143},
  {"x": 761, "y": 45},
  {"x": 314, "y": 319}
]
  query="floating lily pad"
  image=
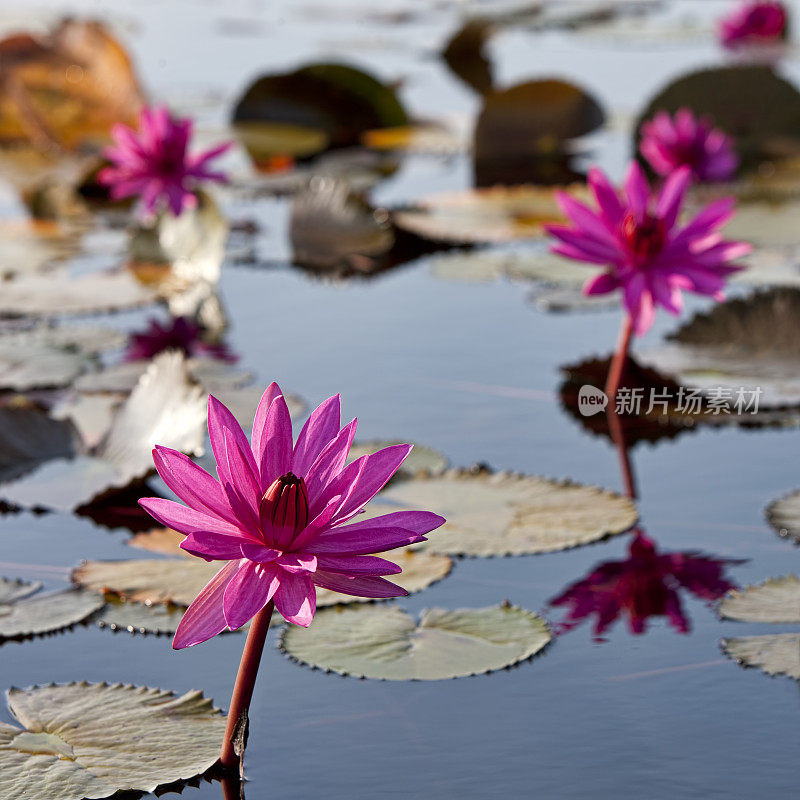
[
  {"x": 84, "y": 740},
  {"x": 38, "y": 366},
  {"x": 776, "y": 600},
  {"x": 772, "y": 120},
  {"x": 337, "y": 102},
  {"x": 131, "y": 617},
  {"x": 166, "y": 407},
  {"x": 29, "y": 438},
  {"x": 179, "y": 581},
  {"x": 59, "y": 294},
  {"x": 497, "y": 214},
  {"x": 765, "y": 223},
  {"x": 775, "y": 654},
  {"x": 784, "y": 516},
  {"x": 423, "y": 138},
  {"x": 505, "y": 514},
  {"x": 23, "y": 613},
  {"x": 91, "y": 414},
  {"x": 386, "y": 643},
  {"x": 523, "y": 125},
  {"x": 421, "y": 459},
  {"x": 483, "y": 266},
  {"x": 87, "y": 339},
  {"x": 750, "y": 342}
]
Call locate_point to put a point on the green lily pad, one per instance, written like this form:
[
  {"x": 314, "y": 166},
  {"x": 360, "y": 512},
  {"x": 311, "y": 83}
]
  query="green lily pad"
[
  {"x": 91, "y": 740},
  {"x": 384, "y": 642},
  {"x": 475, "y": 216},
  {"x": 784, "y": 516},
  {"x": 160, "y": 619},
  {"x": 745, "y": 343},
  {"x": 23, "y": 613},
  {"x": 504, "y": 514},
  {"x": 177, "y": 581},
  {"x": 166, "y": 407},
  {"x": 59, "y": 294},
  {"x": 777, "y": 600},
  {"x": 421, "y": 458},
  {"x": 773, "y": 107},
  {"x": 775, "y": 654}
]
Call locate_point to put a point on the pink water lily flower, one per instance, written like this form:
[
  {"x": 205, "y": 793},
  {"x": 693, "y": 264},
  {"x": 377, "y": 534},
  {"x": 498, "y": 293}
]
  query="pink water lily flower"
[
  {"x": 280, "y": 516},
  {"x": 648, "y": 254},
  {"x": 669, "y": 143},
  {"x": 179, "y": 333},
  {"x": 754, "y": 23},
  {"x": 154, "y": 163}
]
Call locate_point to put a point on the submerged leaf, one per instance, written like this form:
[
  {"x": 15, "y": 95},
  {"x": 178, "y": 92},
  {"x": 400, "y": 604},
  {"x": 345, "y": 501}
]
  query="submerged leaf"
[
  {"x": 386, "y": 643},
  {"x": 776, "y": 600},
  {"x": 84, "y": 740},
  {"x": 24, "y": 613},
  {"x": 775, "y": 654},
  {"x": 504, "y": 514}
]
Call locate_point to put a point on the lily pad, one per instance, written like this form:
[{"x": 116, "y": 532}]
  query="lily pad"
[
  {"x": 523, "y": 125},
  {"x": 498, "y": 214},
  {"x": 502, "y": 514},
  {"x": 38, "y": 366},
  {"x": 91, "y": 740},
  {"x": 421, "y": 459},
  {"x": 775, "y": 654},
  {"x": 60, "y": 294},
  {"x": 784, "y": 516},
  {"x": 750, "y": 342},
  {"x": 178, "y": 581},
  {"x": 776, "y": 600},
  {"x": 166, "y": 407},
  {"x": 159, "y": 620},
  {"x": 23, "y": 613},
  {"x": 384, "y": 642},
  {"x": 770, "y": 124},
  {"x": 336, "y": 101}
]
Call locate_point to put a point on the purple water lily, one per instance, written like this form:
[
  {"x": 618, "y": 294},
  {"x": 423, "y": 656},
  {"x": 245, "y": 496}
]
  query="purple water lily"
[
  {"x": 179, "y": 333},
  {"x": 669, "y": 143},
  {"x": 153, "y": 163},
  {"x": 754, "y": 23},
  {"x": 281, "y": 516}
]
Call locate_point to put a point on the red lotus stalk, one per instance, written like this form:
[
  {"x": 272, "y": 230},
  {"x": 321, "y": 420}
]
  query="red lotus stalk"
[
  {"x": 620, "y": 359},
  {"x": 245, "y": 683}
]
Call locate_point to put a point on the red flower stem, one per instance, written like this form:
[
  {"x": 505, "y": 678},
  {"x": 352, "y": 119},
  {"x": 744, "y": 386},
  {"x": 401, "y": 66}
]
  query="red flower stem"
[
  {"x": 618, "y": 437},
  {"x": 245, "y": 682},
  {"x": 620, "y": 359}
]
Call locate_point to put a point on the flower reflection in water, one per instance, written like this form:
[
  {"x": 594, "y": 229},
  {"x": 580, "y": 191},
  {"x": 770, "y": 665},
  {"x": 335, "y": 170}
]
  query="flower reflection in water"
[{"x": 646, "y": 584}]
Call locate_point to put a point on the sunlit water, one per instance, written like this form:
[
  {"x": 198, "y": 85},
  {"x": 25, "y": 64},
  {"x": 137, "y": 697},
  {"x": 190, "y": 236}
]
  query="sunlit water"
[{"x": 472, "y": 370}]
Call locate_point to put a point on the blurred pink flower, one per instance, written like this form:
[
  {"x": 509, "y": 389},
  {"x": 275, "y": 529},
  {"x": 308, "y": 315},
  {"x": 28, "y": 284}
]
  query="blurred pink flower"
[
  {"x": 754, "y": 23},
  {"x": 180, "y": 333},
  {"x": 669, "y": 143},
  {"x": 646, "y": 584},
  {"x": 277, "y": 516},
  {"x": 649, "y": 256},
  {"x": 153, "y": 162}
]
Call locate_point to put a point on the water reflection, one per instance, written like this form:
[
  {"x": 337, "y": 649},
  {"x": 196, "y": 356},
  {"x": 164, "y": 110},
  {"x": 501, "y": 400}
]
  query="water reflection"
[{"x": 647, "y": 584}]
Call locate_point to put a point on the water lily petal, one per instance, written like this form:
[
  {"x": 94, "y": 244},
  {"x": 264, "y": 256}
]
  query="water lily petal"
[
  {"x": 296, "y": 598},
  {"x": 250, "y": 589},
  {"x": 320, "y": 429}
]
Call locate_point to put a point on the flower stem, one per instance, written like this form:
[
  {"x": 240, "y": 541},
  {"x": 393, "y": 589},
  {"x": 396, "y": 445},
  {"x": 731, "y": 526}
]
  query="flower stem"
[
  {"x": 245, "y": 682},
  {"x": 620, "y": 358}
]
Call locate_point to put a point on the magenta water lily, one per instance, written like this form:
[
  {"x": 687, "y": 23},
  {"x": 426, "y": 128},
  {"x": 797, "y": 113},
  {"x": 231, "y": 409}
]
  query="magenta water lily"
[
  {"x": 754, "y": 23},
  {"x": 649, "y": 256},
  {"x": 281, "y": 516},
  {"x": 154, "y": 163},
  {"x": 671, "y": 142}
]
